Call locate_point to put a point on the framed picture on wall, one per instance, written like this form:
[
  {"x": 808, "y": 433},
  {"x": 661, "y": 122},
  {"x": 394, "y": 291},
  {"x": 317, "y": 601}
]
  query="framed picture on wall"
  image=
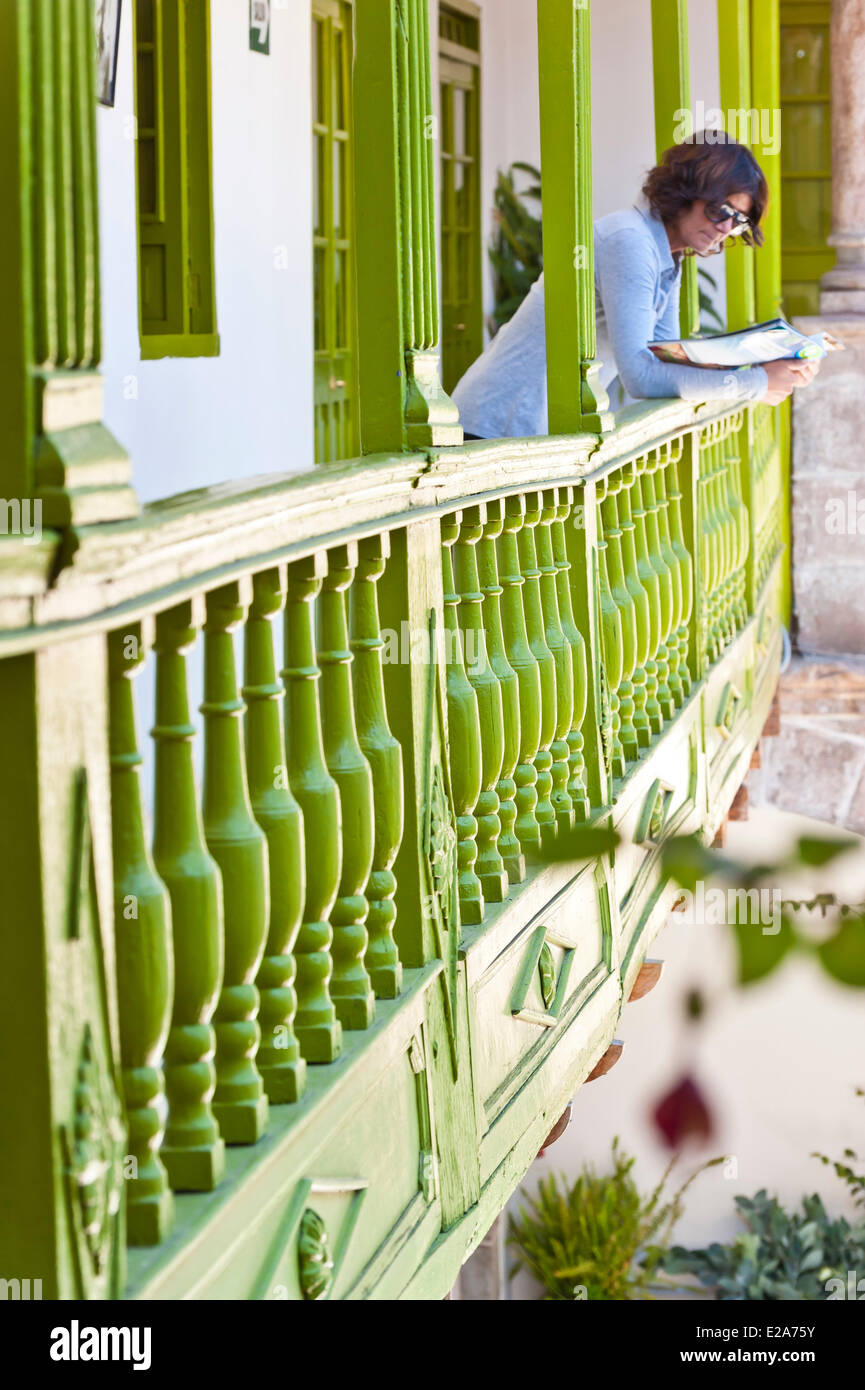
[
  {"x": 259, "y": 26},
  {"x": 107, "y": 36}
]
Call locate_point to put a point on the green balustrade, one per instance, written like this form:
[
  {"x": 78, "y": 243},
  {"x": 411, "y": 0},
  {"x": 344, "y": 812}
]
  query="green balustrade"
[
  {"x": 545, "y": 813},
  {"x": 192, "y": 1150},
  {"x": 144, "y": 955},
  {"x": 671, "y": 560},
  {"x": 524, "y": 663},
  {"x": 562, "y": 656},
  {"x": 384, "y": 755},
  {"x": 316, "y": 1024},
  {"x": 239, "y": 847},
  {"x": 613, "y": 646},
  {"x": 566, "y": 515},
  {"x": 686, "y": 578},
  {"x": 625, "y": 746},
  {"x": 665, "y": 589},
  {"x": 282, "y": 1068},
  {"x": 650, "y": 579},
  {"x": 488, "y": 575},
  {"x": 489, "y": 866},
  {"x": 350, "y": 986},
  {"x": 464, "y": 739},
  {"x": 643, "y": 614}
]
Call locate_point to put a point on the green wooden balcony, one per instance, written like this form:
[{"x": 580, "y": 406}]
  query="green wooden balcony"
[
  {"x": 306, "y": 950},
  {"x": 363, "y": 924}
]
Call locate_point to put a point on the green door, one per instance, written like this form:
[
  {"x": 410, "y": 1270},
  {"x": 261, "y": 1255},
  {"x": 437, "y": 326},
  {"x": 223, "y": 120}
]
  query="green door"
[
  {"x": 335, "y": 390},
  {"x": 459, "y": 77},
  {"x": 806, "y": 148}
]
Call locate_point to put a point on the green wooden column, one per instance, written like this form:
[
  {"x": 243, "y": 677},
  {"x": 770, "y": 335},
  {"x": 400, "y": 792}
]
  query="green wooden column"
[
  {"x": 766, "y": 97},
  {"x": 314, "y": 789},
  {"x": 144, "y": 955},
  {"x": 350, "y": 986},
  {"x": 384, "y": 755},
  {"x": 193, "y": 1151},
  {"x": 239, "y": 847},
  {"x": 575, "y": 399},
  {"x": 671, "y": 72},
  {"x": 734, "y": 54},
  {"x": 279, "y": 1061},
  {"x": 52, "y": 441},
  {"x": 402, "y": 404}
]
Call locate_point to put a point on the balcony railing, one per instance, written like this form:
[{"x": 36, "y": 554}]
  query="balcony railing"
[{"x": 357, "y": 973}]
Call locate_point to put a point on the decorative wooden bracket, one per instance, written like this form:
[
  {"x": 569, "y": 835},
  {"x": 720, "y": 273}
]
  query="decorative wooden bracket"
[
  {"x": 608, "y": 1061},
  {"x": 648, "y": 976}
]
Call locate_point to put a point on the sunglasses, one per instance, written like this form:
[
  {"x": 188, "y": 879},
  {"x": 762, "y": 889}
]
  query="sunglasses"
[{"x": 722, "y": 212}]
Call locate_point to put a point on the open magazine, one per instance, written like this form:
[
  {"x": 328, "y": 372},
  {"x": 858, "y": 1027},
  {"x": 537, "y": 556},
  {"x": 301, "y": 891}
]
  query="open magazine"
[{"x": 762, "y": 342}]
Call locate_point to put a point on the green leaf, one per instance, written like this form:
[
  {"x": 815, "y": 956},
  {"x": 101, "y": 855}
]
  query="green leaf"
[
  {"x": 761, "y": 952},
  {"x": 811, "y": 850},
  {"x": 843, "y": 955}
]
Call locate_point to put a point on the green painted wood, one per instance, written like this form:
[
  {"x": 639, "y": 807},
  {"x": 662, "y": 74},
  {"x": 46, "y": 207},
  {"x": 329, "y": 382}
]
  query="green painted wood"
[
  {"x": 524, "y": 663},
  {"x": 402, "y": 403},
  {"x": 282, "y": 1068},
  {"x": 316, "y": 793},
  {"x": 766, "y": 96},
  {"x": 636, "y": 728},
  {"x": 384, "y": 755},
  {"x": 489, "y": 865},
  {"x": 566, "y": 515},
  {"x": 611, "y": 654},
  {"x": 545, "y": 812},
  {"x": 488, "y": 575},
  {"x": 463, "y": 738},
  {"x": 177, "y": 288},
  {"x": 668, "y": 479},
  {"x": 145, "y": 958},
  {"x": 805, "y": 189},
  {"x": 671, "y": 73},
  {"x": 460, "y": 165},
  {"x": 334, "y": 326},
  {"x": 350, "y": 986},
  {"x": 626, "y": 747},
  {"x": 575, "y": 398},
  {"x": 192, "y": 1151},
  {"x": 646, "y": 483},
  {"x": 650, "y": 580},
  {"x": 734, "y": 56},
  {"x": 239, "y": 847},
  {"x": 563, "y": 658}
]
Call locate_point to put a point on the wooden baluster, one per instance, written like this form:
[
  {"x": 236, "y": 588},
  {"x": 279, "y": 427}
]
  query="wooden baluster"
[
  {"x": 686, "y": 572},
  {"x": 489, "y": 866},
  {"x": 237, "y": 843},
  {"x": 650, "y": 505},
  {"x": 671, "y": 649},
  {"x": 282, "y": 1068},
  {"x": 545, "y": 812},
  {"x": 611, "y": 631},
  {"x": 650, "y": 581},
  {"x": 193, "y": 1151},
  {"x": 642, "y": 729},
  {"x": 144, "y": 956},
  {"x": 384, "y": 756},
  {"x": 525, "y": 665},
  {"x": 350, "y": 986},
  {"x": 317, "y": 1027},
  {"x": 564, "y": 666},
  {"x": 464, "y": 739},
  {"x": 565, "y": 514},
  {"x": 509, "y": 845},
  {"x": 627, "y": 748}
]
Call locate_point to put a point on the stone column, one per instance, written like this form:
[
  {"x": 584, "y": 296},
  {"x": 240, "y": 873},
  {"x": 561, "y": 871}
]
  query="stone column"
[
  {"x": 828, "y": 465},
  {"x": 843, "y": 287}
]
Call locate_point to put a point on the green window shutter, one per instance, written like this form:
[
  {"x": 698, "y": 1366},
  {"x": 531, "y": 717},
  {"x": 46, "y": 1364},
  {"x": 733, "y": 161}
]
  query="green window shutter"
[
  {"x": 462, "y": 306},
  {"x": 335, "y": 333},
  {"x": 177, "y": 305}
]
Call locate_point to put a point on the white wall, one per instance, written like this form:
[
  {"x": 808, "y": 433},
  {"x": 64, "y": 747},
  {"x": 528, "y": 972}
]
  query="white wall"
[
  {"x": 778, "y": 1061},
  {"x": 193, "y": 421}
]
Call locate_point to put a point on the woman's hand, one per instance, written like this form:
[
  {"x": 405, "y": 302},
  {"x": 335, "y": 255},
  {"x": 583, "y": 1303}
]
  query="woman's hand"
[{"x": 786, "y": 374}]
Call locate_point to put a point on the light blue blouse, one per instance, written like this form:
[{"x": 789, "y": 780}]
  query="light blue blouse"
[{"x": 637, "y": 281}]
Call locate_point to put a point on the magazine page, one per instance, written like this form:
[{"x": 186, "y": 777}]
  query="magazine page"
[{"x": 764, "y": 342}]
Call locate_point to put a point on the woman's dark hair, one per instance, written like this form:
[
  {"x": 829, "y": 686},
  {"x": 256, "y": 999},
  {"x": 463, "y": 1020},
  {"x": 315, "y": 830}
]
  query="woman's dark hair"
[{"x": 709, "y": 166}]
